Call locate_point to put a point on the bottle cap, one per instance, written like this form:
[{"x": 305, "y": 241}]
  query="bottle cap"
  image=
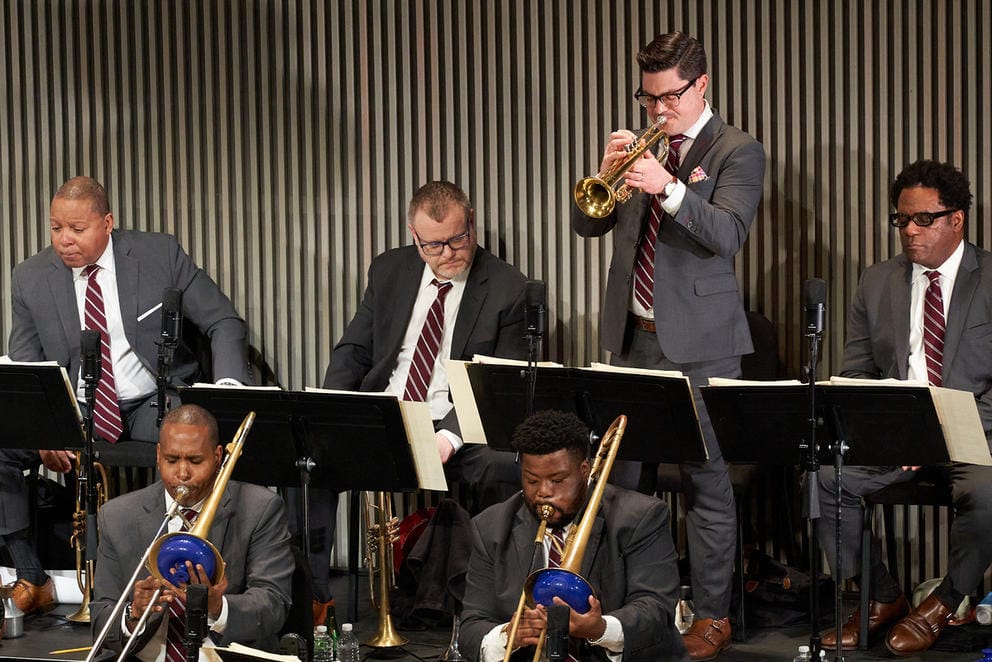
[
  {"x": 321, "y": 629},
  {"x": 346, "y": 627},
  {"x": 804, "y": 649}
]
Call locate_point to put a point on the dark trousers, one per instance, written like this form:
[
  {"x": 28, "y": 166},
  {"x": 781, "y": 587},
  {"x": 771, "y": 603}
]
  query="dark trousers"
[
  {"x": 970, "y": 536},
  {"x": 711, "y": 515}
]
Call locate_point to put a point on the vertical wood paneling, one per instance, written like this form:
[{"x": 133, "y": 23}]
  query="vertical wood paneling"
[{"x": 281, "y": 140}]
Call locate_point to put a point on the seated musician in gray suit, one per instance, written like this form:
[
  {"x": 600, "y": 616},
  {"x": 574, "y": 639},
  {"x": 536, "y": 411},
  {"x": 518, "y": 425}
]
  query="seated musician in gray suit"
[
  {"x": 249, "y": 530},
  {"x": 95, "y": 277},
  {"x": 924, "y": 315},
  {"x": 630, "y": 558}
]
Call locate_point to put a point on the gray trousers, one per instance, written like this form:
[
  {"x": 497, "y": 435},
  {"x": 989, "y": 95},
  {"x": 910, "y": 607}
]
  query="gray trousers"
[
  {"x": 970, "y": 536},
  {"x": 711, "y": 515}
]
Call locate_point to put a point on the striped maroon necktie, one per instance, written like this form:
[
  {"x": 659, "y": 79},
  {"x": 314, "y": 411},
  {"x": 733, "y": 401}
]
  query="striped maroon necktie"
[
  {"x": 425, "y": 355},
  {"x": 106, "y": 411},
  {"x": 933, "y": 328},
  {"x": 644, "y": 266},
  {"x": 175, "y": 648},
  {"x": 557, "y": 544}
]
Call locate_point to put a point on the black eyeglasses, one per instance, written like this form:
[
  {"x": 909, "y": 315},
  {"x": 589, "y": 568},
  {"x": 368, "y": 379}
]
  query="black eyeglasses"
[
  {"x": 922, "y": 218},
  {"x": 670, "y": 99},
  {"x": 437, "y": 247}
]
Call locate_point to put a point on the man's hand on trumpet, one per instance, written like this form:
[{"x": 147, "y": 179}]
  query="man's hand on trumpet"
[{"x": 648, "y": 175}]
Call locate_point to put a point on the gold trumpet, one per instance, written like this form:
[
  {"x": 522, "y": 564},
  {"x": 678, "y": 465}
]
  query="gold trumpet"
[
  {"x": 564, "y": 582},
  {"x": 84, "y": 566},
  {"x": 382, "y": 533},
  {"x": 598, "y": 195}
]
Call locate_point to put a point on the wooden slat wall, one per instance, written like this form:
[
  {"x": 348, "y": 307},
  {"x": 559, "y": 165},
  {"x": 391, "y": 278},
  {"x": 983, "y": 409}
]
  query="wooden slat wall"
[{"x": 281, "y": 140}]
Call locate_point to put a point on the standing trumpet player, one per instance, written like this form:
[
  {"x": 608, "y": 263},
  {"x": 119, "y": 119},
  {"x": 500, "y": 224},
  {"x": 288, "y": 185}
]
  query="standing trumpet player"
[{"x": 672, "y": 299}]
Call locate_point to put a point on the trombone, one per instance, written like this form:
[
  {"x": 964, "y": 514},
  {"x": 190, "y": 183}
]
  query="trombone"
[
  {"x": 597, "y": 196},
  {"x": 565, "y": 582},
  {"x": 173, "y": 550}
]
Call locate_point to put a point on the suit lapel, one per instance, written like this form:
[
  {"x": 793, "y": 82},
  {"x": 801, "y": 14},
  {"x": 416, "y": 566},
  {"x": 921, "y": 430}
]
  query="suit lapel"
[
  {"x": 965, "y": 285},
  {"x": 64, "y": 297},
  {"x": 403, "y": 292},
  {"x": 700, "y": 146},
  {"x": 222, "y": 518},
  {"x": 476, "y": 290},
  {"x": 128, "y": 273},
  {"x": 900, "y": 288},
  {"x": 524, "y": 530}
]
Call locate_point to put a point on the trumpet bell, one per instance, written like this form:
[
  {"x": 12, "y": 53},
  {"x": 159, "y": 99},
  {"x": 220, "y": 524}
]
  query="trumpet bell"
[
  {"x": 595, "y": 197},
  {"x": 545, "y": 585},
  {"x": 171, "y": 551}
]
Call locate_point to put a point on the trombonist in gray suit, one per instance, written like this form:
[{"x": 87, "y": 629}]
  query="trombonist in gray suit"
[
  {"x": 672, "y": 298},
  {"x": 47, "y": 293}
]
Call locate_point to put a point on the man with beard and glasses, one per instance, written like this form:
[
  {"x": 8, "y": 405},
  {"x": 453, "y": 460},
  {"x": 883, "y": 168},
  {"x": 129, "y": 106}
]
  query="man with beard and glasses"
[{"x": 630, "y": 559}]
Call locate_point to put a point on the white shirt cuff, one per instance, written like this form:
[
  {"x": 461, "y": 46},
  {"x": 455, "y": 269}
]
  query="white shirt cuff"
[
  {"x": 672, "y": 203},
  {"x": 493, "y": 647},
  {"x": 220, "y": 624},
  {"x": 612, "y": 639},
  {"x": 453, "y": 439}
]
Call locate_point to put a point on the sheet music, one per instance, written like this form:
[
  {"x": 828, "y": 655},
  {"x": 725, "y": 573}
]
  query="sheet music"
[
  {"x": 606, "y": 367},
  {"x": 463, "y": 399},
  {"x": 6, "y": 360}
]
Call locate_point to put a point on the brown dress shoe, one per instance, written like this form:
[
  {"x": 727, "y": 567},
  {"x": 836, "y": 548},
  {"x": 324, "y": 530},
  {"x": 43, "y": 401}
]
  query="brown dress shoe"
[
  {"x": 917, "y": 632},
  {"x": 30, "y": 598},
  {"x": 707, "y": 637},
  {"x": 880, "y": 614}
]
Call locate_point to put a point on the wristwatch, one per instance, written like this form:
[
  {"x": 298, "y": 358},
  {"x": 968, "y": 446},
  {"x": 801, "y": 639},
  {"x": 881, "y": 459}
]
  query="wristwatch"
[
  {"x": 128, "y": 614},
  {"x": 669, "y": 188}
]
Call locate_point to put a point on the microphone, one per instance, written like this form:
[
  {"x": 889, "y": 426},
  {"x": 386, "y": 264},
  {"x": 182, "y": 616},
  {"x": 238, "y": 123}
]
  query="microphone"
[
  {"x": 90, "y": 355},
  {"x": 196, "y": 615},
  {"x": 172, "y": 315},
  {"x": 814, "y": 305},
  {"x": 557, "y": 645},
  {"x": 535, "y": 307}
]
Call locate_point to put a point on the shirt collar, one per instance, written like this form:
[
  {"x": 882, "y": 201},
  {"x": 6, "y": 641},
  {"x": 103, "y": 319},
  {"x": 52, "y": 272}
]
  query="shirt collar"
[
  {"x": 105, "y": 262},
  {"x": 693, "y": 131},
  {"x": 948, "y": 269}
]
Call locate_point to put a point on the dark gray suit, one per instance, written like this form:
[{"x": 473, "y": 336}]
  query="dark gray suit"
[
  {"x": 701, "y": 327},
  {"x": 877, "y": 347},
  {"x": 249, "y": 530},
  {"x": 46, "y": 328},
  {"x": 630, "y": 562},
  {"x": 490, "y": 322}
]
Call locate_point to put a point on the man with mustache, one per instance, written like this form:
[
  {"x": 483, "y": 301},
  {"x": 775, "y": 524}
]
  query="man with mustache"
[
  {"x": 630, "y": 560},
  {"x": 249, "y": 529}
]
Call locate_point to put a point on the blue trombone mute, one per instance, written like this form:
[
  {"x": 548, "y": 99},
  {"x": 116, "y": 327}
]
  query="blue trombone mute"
[
  {"x": 558, "y": 582},
  {"x": 178, "y": 548}
]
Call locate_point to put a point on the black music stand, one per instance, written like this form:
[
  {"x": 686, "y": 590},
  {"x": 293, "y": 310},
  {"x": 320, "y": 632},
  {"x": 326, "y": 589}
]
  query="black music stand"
[
  {"x": 873, "y": 426},
  {"x": 656, "y": 407},
  {"x": 38, "y": 409},
  {"x": 339, "y": 441}
]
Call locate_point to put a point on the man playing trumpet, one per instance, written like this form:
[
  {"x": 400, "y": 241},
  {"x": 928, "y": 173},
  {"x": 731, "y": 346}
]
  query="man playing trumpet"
[
  {"x": 249, "y": 604},
  {"x": 630, "y": 558},
  {"x": 672, "y": 299}
]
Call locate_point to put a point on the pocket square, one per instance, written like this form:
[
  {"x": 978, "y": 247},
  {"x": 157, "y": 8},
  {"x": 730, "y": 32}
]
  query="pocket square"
[{"x": 697, "y": 175}]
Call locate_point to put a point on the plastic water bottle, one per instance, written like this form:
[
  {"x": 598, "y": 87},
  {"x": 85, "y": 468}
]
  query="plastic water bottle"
[
  {"x": 348, "y": 645},
  {"x": 986, "y": 655},
  {"x": 322, "y": 646},
  {"x": 803, "y": 655},
  {"x": 983, "y": 612}
]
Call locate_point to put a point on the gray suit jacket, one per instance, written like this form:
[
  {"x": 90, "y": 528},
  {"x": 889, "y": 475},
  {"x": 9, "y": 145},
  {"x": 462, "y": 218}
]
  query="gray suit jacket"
[
  {"x": 877, "y": 344},
  {"x": 46, "y": 319},
  {"x": 490, "y": 320},
  {"x": 250, "y": 532},
  {"x": 699, "y": 314},
  {"x": 630, "y": 562}
]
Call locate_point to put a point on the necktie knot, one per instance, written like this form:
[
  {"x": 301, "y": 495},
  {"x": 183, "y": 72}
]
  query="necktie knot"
[
  {"x": 672, "y": 161},
  {"x": 442, "y": 288},
  {"x": 189, "y": 517},
  {"x": 90, "y": 269},
  {"x": 934, "y": 277}
]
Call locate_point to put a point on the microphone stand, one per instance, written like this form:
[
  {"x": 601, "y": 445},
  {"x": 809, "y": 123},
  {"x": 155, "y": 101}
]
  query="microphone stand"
[
  {"x": 533, "y": 350},
  {"x": 166, "y": 348},
  {"x": 87, "y": 484},
  {"x": 811, "y": 496},
  {"x": 196, "y": 620}
]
